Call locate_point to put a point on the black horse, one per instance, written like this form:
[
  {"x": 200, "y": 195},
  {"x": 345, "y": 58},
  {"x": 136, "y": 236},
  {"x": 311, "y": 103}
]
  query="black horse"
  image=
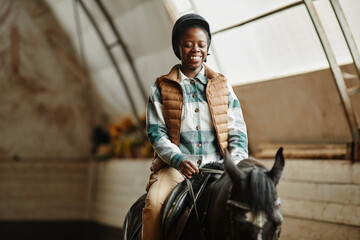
[{"x": 241, "y": 204}]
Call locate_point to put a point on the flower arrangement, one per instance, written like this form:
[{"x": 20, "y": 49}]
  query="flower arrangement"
[{"x": 126, "y": 140}]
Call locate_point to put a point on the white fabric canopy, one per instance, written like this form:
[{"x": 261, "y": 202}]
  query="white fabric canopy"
[{"x": 278, "y": 45}]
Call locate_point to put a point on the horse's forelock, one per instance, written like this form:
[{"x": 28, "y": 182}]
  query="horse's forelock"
[
  {"x": 262, "y": 191},
  {"x": 261, "y": 188}
]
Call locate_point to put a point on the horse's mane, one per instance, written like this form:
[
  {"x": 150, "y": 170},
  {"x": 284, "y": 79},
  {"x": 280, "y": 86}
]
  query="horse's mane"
[{"x": 261, "y": 187}]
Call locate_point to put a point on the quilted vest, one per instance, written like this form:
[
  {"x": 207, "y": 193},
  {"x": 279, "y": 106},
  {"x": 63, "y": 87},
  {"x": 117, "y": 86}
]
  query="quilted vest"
[{"x": 217, "y": 97}]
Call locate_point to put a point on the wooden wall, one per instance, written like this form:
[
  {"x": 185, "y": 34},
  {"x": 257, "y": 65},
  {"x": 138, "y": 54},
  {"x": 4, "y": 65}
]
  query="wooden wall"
[
  {"x": 53, "y": 190},
  {"x": 37, "y": 190},
  {"x": 118, "y": 183},
  {"x": 320, "y": 199}
]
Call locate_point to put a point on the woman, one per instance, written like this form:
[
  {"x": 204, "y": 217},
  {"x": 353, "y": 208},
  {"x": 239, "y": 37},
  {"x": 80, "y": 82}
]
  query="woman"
[{"x": 193, "y": 116}]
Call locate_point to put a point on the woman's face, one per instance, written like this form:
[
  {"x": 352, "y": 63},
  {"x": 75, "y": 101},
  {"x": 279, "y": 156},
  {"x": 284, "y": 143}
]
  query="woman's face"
[{"x": 193, "y": 50}]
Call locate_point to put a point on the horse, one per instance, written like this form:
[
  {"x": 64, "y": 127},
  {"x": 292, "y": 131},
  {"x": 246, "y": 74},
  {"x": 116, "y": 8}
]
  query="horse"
[{"x": 240, "y": 204}]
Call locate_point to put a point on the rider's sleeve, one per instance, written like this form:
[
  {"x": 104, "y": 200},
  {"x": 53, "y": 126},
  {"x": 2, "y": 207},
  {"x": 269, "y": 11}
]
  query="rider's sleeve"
[
  {"x": 157, "y": 131},
  {"x": 237, "y": 138}
]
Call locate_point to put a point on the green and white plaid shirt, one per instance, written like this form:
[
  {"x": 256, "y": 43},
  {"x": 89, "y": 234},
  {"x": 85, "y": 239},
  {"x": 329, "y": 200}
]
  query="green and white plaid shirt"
[{"x": 198, "y": 141}]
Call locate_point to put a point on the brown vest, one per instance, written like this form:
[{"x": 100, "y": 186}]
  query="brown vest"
[{"x": 217, "y": 97}]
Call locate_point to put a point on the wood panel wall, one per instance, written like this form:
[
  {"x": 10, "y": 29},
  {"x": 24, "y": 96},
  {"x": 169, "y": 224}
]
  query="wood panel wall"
[
  {"x": 320, "y": 199},
  {"x": 36, "y": 190},
  {"x": 118, "y": 183}
]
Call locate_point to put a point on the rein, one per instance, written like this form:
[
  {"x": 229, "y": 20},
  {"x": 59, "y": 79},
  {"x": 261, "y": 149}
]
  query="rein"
[{"x": 194, "y": 198}]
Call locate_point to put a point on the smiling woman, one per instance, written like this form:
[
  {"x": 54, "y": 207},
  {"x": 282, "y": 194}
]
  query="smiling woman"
[{"x": 193, "y": 117}]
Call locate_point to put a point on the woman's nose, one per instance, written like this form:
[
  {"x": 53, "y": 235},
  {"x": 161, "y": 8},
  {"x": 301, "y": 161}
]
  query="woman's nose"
[{"x": 196, "y": 48}]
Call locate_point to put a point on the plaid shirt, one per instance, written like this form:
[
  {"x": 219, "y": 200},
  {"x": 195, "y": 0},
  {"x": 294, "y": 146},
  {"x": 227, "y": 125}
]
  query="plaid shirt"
[{"x": 198, "y": 141}]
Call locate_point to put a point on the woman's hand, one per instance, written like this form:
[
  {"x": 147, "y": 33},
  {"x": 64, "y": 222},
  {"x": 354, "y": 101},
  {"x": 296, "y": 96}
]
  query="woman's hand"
[
  {"x": 188, "y": 168},
  {"x": 157, "y": 164}
]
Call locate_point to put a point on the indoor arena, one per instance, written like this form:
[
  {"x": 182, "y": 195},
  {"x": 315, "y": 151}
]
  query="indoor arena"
[{"x": 254, "y": 105}]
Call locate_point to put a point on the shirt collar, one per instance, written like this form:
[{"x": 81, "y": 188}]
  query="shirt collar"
[{"x": 200, "y": 76}]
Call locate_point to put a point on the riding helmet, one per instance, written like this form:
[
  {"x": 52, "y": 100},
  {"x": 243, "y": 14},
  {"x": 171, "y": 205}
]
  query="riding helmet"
[{"x": 183, "y": 21}]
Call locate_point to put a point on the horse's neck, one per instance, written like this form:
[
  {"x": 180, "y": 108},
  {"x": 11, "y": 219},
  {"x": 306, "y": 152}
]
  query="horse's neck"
[{"x": 217, "y": 208}]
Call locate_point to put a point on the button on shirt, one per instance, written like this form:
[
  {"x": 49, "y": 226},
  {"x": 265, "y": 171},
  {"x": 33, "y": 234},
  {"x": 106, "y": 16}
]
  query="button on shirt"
[{"x": 198, "y": 141}]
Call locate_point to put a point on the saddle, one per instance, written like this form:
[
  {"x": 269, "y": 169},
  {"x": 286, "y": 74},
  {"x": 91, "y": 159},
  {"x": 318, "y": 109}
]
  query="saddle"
[{"x": 180, "y": 204}]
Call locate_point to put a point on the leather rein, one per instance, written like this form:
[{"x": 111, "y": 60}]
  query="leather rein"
[{"x": 194, "y": 198}]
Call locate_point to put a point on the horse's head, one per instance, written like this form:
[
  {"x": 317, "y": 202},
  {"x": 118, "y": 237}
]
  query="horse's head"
[{"x": 253, "y": 210}]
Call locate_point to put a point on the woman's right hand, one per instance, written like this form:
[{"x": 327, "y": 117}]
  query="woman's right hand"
[
  {"x": 188, "y": 168},
  {"x": 157, "y": 164}
]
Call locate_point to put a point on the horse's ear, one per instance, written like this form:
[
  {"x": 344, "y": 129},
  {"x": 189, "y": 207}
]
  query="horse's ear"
[
  {"x": 231, "y": 169},
  {"x": 277, "y": 169}
]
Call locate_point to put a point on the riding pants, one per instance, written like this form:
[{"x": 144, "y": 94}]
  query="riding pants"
[{"x": 160, "y": 184}]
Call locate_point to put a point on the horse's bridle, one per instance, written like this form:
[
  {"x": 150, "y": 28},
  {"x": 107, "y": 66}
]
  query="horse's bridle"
[{"x": 246, "y": 207}]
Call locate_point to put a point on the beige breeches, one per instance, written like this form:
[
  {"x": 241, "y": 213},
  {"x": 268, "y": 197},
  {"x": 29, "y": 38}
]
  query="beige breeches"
[{"x": 159, "y": 187}]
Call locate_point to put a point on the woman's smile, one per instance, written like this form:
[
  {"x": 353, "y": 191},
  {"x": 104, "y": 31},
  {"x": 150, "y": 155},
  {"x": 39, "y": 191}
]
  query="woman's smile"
[{"x": 195, "y": 59}]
